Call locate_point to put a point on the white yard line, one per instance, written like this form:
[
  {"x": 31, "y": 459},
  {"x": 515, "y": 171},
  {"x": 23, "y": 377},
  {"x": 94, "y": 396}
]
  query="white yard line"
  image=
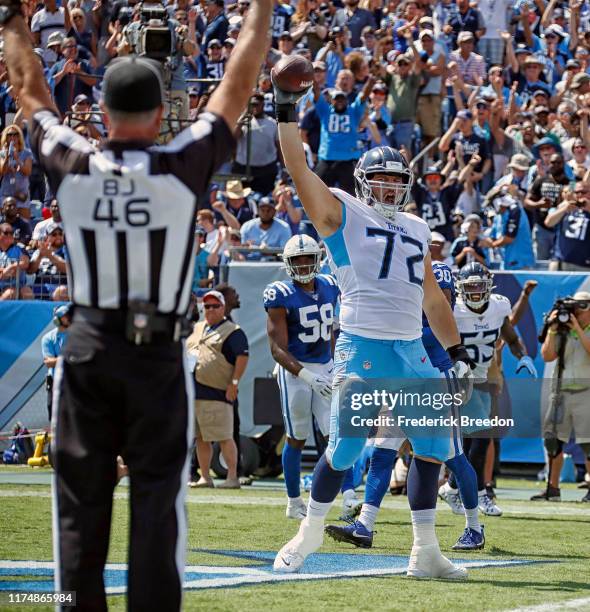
[
  {"x": 569, "y": 604},
  {"x": 262, "y": 500}
]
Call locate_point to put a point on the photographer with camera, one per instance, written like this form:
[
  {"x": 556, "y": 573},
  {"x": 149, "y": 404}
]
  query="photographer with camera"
[
  {"x": 566, "y": 338},
  {"x": 571, "y": 220}
]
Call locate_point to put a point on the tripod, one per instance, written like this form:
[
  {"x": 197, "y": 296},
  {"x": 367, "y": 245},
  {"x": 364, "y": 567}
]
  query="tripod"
[{"x": 551, "y": 441}]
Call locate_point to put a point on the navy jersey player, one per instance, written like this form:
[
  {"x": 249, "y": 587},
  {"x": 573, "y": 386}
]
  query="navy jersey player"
[
  {"x": 360, "y": 532},
  {"x": 380, "y": 258},
  {"x": 482, "y": 317},
  {"x": 300, "y": 327}
]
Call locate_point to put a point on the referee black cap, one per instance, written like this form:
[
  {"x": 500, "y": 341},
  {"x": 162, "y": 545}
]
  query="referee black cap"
[{"x": 133, "y": 85}]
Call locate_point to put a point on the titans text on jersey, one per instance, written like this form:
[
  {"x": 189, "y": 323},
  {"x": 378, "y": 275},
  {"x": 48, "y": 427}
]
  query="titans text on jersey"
[
  {"x": 479, "y": 331},
  {"x": 379, "y": 267}
]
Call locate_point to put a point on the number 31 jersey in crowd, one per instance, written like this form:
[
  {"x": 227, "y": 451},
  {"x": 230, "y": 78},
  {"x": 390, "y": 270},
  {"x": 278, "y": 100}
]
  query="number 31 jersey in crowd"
[
  {"x": 379, "y": 266},
  {"x": 310, "y": 316},
  {"x": 479, "y": 332}
]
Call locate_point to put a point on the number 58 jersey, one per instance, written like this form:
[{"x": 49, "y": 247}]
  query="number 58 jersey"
[
  {"x": 479, "y": 332},
  {"x": 379, "y": 266},
  {"x": 310, "y": 316}
]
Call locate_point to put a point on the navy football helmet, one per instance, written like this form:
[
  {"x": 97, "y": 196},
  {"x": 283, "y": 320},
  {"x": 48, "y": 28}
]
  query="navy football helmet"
[
  {"x": 474, "y": 285},
  {"x": 385, "y": 197}
]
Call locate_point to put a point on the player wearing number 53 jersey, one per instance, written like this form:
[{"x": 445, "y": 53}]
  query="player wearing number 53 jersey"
[
  {"x": 300, "y": 321},
  {"x": 482, "y": 317},
  {"x": 381, "y": 261}
]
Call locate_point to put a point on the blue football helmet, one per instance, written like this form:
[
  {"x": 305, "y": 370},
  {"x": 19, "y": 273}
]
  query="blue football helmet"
[
  {"x": 385, "y": 197},
  {"x": 474, "y": 284}
]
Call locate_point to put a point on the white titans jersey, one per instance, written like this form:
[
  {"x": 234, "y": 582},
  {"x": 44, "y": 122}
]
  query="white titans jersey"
[
  {"x": 479, "y": 332},
  {"x": 379, "y": 266}
]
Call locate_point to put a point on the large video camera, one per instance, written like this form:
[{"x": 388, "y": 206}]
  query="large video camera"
[{"x": 155, "y": 39}]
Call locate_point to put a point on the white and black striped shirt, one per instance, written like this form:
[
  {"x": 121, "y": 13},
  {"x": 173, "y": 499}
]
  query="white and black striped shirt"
[{"x": 129, "y": 210}]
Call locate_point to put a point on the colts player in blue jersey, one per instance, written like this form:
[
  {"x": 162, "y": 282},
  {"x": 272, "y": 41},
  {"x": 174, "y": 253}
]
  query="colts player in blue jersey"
[
  {"x": 299, "y": 324},
  {"x": 360, "y": 532},
  {"x": 379, "y": 255}
]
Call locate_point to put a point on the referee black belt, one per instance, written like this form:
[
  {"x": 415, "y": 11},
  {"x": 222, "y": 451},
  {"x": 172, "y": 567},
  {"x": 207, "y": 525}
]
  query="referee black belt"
[{"x": 164, "y": 327}]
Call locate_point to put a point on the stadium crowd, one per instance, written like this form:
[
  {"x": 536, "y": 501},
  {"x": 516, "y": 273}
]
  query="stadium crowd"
[{"x": 490, "y": 99}]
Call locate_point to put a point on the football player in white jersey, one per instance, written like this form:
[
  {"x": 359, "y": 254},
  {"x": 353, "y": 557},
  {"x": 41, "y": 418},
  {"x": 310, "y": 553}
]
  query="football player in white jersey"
[
  {"x": 482, "y": 317},
  {"x": 300, "y": 331},
  {"x": 381, "y": 261}
]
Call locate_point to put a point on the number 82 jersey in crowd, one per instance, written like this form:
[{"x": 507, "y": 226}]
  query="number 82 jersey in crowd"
[
  {"x": 479, "y": 331},
  {"x": 310, "y": 316}
]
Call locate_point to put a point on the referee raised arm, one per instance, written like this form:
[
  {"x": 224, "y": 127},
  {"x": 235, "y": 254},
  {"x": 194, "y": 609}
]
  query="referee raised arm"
[{"x": 121, "y": 386}]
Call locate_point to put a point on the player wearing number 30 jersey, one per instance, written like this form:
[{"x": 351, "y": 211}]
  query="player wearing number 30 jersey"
[{"x": 380, "y": 258}]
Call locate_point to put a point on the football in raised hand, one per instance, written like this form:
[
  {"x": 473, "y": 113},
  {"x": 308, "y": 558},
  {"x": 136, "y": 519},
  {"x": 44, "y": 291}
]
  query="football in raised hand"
[{"x": 293, "y": 74}]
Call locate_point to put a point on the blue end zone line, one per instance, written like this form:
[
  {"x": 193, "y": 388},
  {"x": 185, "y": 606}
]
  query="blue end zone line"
[{"x": 207, "y": 576}]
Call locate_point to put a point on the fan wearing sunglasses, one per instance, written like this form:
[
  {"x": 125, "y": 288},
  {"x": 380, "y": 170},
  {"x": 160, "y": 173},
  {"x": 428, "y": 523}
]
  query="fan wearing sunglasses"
[{"x": 12, "y": 259}]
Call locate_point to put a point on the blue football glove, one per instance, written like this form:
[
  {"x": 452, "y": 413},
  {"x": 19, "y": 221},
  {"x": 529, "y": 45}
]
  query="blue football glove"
[{"x": 526, "y": 363}]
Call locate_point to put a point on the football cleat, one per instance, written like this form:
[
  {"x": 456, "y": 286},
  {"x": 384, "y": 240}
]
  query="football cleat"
[
  {"x": 488, "y": 506},
  {"x": 355, "y": 533},
  {"x": 296, "y": 509},
  {"x": 429, "y": 562},
  {"x": 552, "y": 494},
  {"x": 452, "y": 497},
  {"x": 586, "y": 498},
  {"x": 351, "y": 508},
  {"x": 293, "y": 554},
  {"x": 470, "y": 540}
]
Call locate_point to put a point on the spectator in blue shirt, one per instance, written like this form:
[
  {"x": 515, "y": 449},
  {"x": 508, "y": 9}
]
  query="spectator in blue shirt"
[
  {"x": 265, "y": 230},
  {"x": 51, "y": 346},
  {"x": 69, "y": 77},
  {"x": 217, "y": 23},
  {"x": 13, "y": 261},
  {"x": 572, "y": 222},
  {"x": 201, "y": 273},
  {"x": 333, "y": 54},
  {"x": 355, "y": 19},
  {"x": 281, "y": 22},
  {"x": 512, "y": 233},
  {"x": 339, "y": 149}
]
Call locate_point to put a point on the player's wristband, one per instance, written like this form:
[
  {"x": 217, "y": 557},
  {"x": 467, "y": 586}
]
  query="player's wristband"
[{"x": 286, "y": 113}]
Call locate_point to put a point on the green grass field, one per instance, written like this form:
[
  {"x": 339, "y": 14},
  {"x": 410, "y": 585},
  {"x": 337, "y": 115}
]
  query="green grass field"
[{"x": 556, "y": 535}]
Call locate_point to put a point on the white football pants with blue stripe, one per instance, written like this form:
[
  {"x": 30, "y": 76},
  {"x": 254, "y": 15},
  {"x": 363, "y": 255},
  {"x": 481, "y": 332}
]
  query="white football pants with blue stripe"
[{"x": 299, "y": 403}]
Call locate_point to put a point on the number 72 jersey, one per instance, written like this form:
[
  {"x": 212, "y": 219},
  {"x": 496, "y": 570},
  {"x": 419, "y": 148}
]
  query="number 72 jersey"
[
  {"x": 479, "y": 332},
  {"x": 379, "y": 266},
  {"x": 310, "y": 316}
]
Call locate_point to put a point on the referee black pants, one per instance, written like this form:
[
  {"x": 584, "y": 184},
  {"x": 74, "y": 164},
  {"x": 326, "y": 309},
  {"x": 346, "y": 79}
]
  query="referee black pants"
[{"x": 113, "y": 398}]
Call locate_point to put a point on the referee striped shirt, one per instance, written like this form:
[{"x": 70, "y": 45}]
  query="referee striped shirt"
[{"x": 129, "y": 210}]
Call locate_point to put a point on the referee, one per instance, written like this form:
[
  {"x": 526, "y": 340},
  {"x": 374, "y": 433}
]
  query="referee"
[{"x": 121, "y": 386}]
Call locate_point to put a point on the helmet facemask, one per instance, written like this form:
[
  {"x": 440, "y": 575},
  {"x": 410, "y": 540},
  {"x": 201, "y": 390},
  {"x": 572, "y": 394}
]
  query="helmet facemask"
[
  {"x": 387, "y": 198},
  {"x": 475, "y": 291},
  {"x": 303, "y": 273}
]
